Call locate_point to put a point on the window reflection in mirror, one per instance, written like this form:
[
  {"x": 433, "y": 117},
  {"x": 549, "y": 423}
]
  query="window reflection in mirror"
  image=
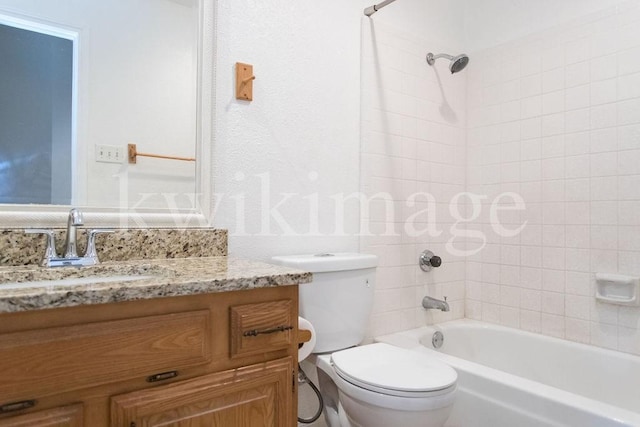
[{"x": 36, "y": 86}]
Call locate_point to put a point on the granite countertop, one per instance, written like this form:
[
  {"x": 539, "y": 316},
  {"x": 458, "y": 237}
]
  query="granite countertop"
[{"x": 26, "y": 288}]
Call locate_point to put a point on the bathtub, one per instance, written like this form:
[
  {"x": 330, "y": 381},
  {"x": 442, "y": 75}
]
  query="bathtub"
[{"x": 512, "y": 378}]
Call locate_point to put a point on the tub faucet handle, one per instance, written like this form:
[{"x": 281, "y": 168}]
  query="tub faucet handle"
[{"x": 428, "y": 260}]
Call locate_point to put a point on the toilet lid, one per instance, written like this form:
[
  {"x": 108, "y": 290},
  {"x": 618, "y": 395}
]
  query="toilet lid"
[{"x": 382, "y": 367}]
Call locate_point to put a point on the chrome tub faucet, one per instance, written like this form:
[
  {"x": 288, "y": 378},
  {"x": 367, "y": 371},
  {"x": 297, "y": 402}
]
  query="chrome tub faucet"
[{"x": 435, "y": 304}]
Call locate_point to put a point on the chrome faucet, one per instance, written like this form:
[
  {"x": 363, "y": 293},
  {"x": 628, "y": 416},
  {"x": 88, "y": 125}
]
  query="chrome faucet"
[
  {"x": 71, "y": 257},
  {"x": 432, "y": 303},
  {"x": 71, "y": 243}
]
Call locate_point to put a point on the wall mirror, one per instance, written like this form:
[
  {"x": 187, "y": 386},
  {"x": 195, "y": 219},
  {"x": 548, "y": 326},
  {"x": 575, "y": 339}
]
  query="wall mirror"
[{"x": 80, "y": 80}]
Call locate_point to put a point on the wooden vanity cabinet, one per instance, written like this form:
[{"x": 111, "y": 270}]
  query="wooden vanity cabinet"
[{"x": 226, "y": 359}]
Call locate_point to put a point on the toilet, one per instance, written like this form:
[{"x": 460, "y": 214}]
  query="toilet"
[{"x": 372, "y": 385}]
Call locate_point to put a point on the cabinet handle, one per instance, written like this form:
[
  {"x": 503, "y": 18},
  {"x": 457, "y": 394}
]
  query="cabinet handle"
[
  {"x": 256, "y": 332},
  {"x": 17, "y": 406},
  {"x": 162, "y": 376}
]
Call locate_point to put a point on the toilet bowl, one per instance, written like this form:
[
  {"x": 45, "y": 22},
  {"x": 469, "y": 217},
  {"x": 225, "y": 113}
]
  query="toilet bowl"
[
  {"x": 373, "y": 385},
  {"x": 380, "y": 385}
]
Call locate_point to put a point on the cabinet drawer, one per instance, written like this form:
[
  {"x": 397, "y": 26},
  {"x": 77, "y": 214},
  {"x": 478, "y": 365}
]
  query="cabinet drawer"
[
  {"x": 46, "y": 361},
  {"x": 261, "y": 327}
]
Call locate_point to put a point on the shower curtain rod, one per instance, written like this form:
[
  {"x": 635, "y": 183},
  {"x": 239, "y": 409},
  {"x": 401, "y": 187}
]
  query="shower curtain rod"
[{"x": 376, "y": 7}]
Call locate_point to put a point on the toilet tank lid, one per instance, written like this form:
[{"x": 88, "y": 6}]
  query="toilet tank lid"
[{"x": 324, "y": 262}]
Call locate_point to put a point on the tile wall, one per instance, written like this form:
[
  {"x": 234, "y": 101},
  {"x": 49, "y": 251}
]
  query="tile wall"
[
  {"x": 555, "y": 118},
  {"x": 413, "y": 141}
]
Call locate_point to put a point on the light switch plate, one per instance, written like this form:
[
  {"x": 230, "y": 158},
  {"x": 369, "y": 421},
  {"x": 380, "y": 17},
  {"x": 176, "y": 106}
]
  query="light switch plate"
[{"x": 109, "y": 153}]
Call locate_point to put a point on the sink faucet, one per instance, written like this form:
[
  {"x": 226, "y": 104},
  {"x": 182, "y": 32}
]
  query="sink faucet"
[
  {"x": 71, "y": 257},
  {"x": 433, "y": 303},
  {"x": 71, "y": 243}
]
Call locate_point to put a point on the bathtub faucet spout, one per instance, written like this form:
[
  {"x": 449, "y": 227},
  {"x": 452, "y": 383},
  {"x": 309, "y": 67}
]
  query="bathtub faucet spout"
[{"x": 433, "y": 303}]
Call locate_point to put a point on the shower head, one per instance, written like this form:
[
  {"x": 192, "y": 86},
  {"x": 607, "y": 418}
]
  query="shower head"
[{"x": 457, "y": 62}]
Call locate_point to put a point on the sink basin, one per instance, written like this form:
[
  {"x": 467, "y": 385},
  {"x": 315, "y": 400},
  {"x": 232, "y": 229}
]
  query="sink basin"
[{"x": 50, "y": 278}]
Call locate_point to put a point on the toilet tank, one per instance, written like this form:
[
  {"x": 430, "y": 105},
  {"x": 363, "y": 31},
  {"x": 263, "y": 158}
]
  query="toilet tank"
[{"x": 338, "y": 301}]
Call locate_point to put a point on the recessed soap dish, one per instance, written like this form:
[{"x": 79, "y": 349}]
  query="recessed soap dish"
[{"x": 617, "y": 289}]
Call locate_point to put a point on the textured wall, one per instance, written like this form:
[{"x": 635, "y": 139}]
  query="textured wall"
[{"x": 301, "y": 132}]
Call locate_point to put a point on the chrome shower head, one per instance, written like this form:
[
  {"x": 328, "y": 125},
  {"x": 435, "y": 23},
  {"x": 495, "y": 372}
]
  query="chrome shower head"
[{"x": 457, "y": 62}]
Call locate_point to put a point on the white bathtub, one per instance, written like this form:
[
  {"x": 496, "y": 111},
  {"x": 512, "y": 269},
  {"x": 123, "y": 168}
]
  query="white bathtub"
[{"x": 512, "y": 378}]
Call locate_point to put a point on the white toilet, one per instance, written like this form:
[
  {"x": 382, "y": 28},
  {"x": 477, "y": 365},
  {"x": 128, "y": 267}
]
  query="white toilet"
[{"x": 373, "y": 385}]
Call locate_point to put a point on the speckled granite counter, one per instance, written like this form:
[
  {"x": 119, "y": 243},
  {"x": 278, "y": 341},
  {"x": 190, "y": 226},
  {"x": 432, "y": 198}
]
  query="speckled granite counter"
[{"x": 27, "y": 288}]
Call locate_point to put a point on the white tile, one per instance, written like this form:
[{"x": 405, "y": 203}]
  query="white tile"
[
  {"x": 629, "y": 238},
  {"x": 553, "y": 102},
  {"x": 577, "y": 166},
  {"x": 552, "y": 325},
  {"x": 629, "y": 61},
  {"x": 629, "y": 340},
  {"x": 628, "y": 162},
  {"x": 531, "y": 85},
  {"x": 604, "y": 335},
  {"x": 577, "y": 236},
  {"x": 553, "y": 80},
  {"x": 577, "y": 51},
  {"x": 604, "y": 140},
  {"x": 554, "y": 258},
  {"x": 531, "y": 299},
  {"x": 577, "y": 260},
  {"x": 604, "y": 91},
  {"x": 604, "y": 213},
  {"x": 604, "y": 116},
  {"x": 578, "y": 283},
  {"x": 629, "y": 187},
  {"x": 604, "y": 188},
  {"x": 553, "y": 168},
  {"x": 604, "y": 237},
  {"x": 577, "y": 97},
  {"x": 577, "y": 143},
  {"x": 628, "y": 86},
  {"x": 579, "y": 212},
  {"x": 530, "y": 320},
  {"x": 530, "y": 107},
  {"x": 604, "y": 164},
  {"x": 578, "y": 330},
  {"x": 509, "y": 317},
  {"x": 577, "y": 306},
  {"x": 579, "y": 120},
  {"x": 628, "y": 212},
  {"x": 604, "y": 67},
  {"x": 552, "y": 146},
  {"x": 553, "y": 58},
  {"x": 553, "y": 303},
  {"x": 576, "y": 75},
  {"x": 629, "y": 111},
  {"x": 553, "y": 124},
  {"x": 553, "y": 235}
]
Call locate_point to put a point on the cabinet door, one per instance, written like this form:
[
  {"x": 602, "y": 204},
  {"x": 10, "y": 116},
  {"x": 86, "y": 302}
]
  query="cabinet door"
[
  {"x": 67, "y": 416},
  {"x": 254, "y": 396}
]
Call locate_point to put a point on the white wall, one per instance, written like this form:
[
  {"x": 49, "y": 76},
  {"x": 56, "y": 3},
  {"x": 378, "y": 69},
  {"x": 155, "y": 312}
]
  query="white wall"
[
  {"x": 554, "y": 117},
  {"x": 304, "y": 119}
]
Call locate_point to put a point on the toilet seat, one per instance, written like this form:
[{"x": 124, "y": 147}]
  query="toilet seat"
[{"x": 393, "y": 371}]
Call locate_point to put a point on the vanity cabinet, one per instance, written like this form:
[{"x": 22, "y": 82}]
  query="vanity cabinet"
[{"x": 221, "y": 359}]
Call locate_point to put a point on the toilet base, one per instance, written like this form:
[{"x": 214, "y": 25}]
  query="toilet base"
[{"x": 361, "y": 414}]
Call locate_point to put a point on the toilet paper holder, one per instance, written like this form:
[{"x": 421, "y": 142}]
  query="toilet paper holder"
[{"x": 304, "y": 335}]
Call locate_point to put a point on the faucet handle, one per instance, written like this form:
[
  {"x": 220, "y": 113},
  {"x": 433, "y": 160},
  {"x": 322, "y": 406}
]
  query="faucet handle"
[
  {"x": 91, "y": 252},
  {"x": 50, "y": 250}
]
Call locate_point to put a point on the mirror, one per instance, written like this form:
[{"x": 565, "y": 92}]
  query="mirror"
[{"x": 83, "y": 79}]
